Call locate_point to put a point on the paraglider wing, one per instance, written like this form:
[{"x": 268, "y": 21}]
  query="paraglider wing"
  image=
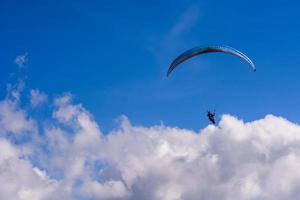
[{"x": 208, "y": 49}]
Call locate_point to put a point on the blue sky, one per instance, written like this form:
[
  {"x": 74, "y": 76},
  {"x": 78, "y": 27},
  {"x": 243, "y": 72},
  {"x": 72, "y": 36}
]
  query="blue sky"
[
  {"x": 113, "y": 56},
  {"x": 87, "y": 112}
]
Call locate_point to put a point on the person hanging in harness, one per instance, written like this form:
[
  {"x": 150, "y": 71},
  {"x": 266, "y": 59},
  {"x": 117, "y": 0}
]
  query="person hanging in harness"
[{"x": 211, "y": 116}]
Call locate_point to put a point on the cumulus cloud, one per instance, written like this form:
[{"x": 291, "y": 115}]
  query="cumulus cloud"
[
  {"x": 21, "y": 60},
  {"x": 71, "y": 158},
  {"x": 19, "y": 179}
]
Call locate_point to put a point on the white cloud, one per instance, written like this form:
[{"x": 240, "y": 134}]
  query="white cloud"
[
  {"x": 187, "y": 20},
  {"x": 21, "y": 60},
  {"x": 13, "y": 119},
  {"x": 20, "y": 180},
  {"x": 235, "y": 160},
  {"x": 37, "y": 98},
  {"x": 174, "y": 39},
  {"x": 14, "y": 90},
  {"x": 65, "y": 111},
  {"x": 109, "y": 189}
]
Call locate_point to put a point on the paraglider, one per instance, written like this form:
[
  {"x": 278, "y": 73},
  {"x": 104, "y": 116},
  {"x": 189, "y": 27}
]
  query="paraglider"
[
  {"x": 209, "y": 49},
  {"x": 211, "y": 116}
]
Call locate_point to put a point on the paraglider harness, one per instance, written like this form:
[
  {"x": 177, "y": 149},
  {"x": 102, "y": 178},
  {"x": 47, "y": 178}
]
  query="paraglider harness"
[{"x": 211, "y": 116}]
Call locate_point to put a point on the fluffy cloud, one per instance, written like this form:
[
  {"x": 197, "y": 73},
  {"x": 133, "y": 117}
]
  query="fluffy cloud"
[
  {"x": 70, "y": 158},
  {"x": 19, "y": 179}
]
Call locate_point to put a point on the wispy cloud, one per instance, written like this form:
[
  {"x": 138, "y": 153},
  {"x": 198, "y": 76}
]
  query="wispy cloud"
[
  {"x": 21, "y": 60},
  {"x": 186, "y": 21},
  {"x": 14, "y": 90},
  {"x": 37, "y": 98},
  {"x": 173, "y": 39}
]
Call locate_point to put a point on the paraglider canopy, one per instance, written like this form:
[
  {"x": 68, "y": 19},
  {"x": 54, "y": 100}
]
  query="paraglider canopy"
[{"x": 208, "y": 49}]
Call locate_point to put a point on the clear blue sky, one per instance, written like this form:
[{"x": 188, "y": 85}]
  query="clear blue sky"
[{"x": 113, "y": 56}]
